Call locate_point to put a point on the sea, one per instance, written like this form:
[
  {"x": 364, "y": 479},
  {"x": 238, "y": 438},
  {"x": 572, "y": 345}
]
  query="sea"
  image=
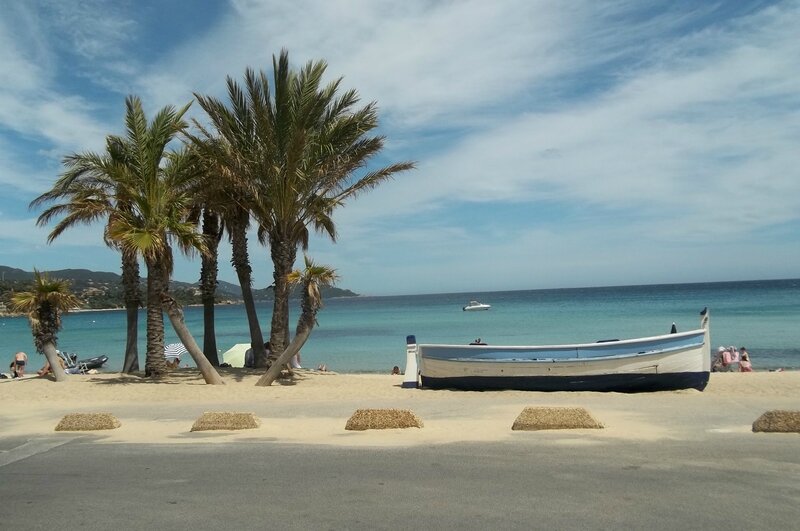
[{"x": 367, "y": 334}]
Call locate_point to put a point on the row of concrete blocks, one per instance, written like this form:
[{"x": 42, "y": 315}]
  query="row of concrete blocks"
[{"x": 530, "y": 419}]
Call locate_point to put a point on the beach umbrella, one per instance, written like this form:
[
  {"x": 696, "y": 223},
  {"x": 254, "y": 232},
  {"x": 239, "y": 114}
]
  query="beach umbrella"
[
  {"x": 235, "y": 355},
  {"x": 174, "y": 350}
]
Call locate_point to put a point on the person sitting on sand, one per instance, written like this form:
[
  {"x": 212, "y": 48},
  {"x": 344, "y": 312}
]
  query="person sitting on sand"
[
  {"x": 716, "y": 363},
  {"x": 727, "y": 358},
  {"x": 744, "y": 361},
  {"x": 18, "y": 365},
  {"x": 395, "y": 370},
  {"x": 46, "y": 369}
]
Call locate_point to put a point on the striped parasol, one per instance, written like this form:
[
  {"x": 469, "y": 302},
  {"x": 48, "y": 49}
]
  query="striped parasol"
[{"x": 174, "y": 350}]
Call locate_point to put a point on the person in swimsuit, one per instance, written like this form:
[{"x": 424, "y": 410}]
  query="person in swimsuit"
[
  {"x": 20, "y": 359},
  {"x": 744, "y": 362}
]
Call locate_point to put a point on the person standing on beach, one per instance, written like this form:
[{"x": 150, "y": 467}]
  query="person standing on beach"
[
  {"x": 20, "y": 359},
  {"x": 295, "y": 361}
]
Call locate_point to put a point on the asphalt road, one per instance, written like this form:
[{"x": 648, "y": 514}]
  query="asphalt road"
[{"x": 744, "y": 481}]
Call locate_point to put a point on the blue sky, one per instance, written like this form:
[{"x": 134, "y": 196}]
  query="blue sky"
[{"x": 559, "y": 144}]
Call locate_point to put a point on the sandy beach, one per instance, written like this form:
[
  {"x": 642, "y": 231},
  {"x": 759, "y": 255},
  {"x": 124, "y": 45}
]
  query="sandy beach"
[{"x": 314, "y": 409}]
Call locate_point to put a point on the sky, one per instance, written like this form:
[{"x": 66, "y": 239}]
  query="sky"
[{"x": 558, "y": 144}]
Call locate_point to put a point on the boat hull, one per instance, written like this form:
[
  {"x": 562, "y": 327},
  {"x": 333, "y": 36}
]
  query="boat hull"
[
  {"x": 675, "y": 361},
  {"x": 627, "y": 383},
  {"x": 93, "y": 363}
]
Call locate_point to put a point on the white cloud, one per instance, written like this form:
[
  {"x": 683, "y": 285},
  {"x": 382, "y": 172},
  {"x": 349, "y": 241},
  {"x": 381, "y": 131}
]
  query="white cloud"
[
  {"x": 655, "y": 126},
  {"x": 693, "y": 141},
  {"x": 40, "y": 120}
]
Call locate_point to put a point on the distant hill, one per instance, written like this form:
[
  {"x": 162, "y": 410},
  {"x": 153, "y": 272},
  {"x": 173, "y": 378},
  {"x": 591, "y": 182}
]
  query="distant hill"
[
  {"x": 99, "y": 289},
  {"x": 266, "y": 294}
]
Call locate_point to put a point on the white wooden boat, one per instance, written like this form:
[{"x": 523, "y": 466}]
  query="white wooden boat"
[
  {"x": 475, "y": 306},
  {"x": 672, "y": 361}
]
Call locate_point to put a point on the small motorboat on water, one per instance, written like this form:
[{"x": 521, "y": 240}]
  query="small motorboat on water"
[
  {"x": 475, "y": 306},
  {"x": 72, "y": 365}
]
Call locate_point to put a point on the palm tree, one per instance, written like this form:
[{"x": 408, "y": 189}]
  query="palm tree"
[
  {"x": 297, "y": 153},
  {"x": 229, "y": 154},
  {"x": 209, "y": 196},
  {"x": 89, "y": 190},
  {"x": 311, "y": 279},
  {"x": 44, "y": 304},
  {"x": 157, "y": 184}
]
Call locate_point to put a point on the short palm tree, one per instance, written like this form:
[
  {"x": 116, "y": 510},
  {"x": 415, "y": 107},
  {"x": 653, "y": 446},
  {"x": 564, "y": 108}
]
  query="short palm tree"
[
  {"x": 87, "y": 191},
  {"x": 44, "y": 304},
  {"x": 300, "y": 154},
  {"x": 310, "y": 280}
]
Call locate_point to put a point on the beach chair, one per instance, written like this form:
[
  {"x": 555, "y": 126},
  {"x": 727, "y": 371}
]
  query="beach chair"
[{"x": 70, "y": 366}]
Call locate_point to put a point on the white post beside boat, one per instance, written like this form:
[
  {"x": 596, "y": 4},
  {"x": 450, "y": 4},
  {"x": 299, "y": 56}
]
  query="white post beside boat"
[{"x": 411, "y": 380}]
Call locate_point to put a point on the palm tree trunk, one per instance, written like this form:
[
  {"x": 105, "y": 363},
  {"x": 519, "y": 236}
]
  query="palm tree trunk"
[
  {"x": 305, "y": 324},
  {"x": 209, "y": 335},
  {"x": 294, "y": 347},
  {"x": 130, "y": 283},
  {"x": 155, "y": 364},
  {"x": 241, "y": 262},
  {"x": 210, "y": 374},
  {"x": 131, "y": 363},
  {"x": 283, "y": 256},
  {"x": 209, "y": 270},
  {"x": 49, "y": 350}
]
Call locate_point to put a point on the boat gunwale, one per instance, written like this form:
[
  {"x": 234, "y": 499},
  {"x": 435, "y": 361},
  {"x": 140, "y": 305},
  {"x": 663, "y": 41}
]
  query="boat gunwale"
[
  {"x": 591, "y": 346},
  {"x": 517, "y": 361}
]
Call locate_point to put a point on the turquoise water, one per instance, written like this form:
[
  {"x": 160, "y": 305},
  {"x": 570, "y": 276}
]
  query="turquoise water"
[{"x": 367, "y": 334}]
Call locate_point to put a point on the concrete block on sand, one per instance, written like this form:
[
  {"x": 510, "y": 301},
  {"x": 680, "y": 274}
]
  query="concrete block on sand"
[
  {"x": 382, "y": 419},
  {"x": 88, "y": 422},
  {"x": 555, "y": 418},
  {"x": 778, "y": 421},
  {"x": 223, "y": 420}
]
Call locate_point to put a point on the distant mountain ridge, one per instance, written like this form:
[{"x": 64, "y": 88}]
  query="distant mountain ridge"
[{"x": 102, "y": 289}]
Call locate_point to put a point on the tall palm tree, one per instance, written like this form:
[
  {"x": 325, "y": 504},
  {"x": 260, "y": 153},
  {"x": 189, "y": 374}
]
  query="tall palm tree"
[
  {"x": 44, "y": 304},
  {"x": 157, "y": 184},
  {"x": 230, "y": 154},
  {"x": 311, "y": 279},
  {"x": 209, "y": 195},
  {"x": 88, "y": 190},
  {"x": 300, "y": 153}
]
